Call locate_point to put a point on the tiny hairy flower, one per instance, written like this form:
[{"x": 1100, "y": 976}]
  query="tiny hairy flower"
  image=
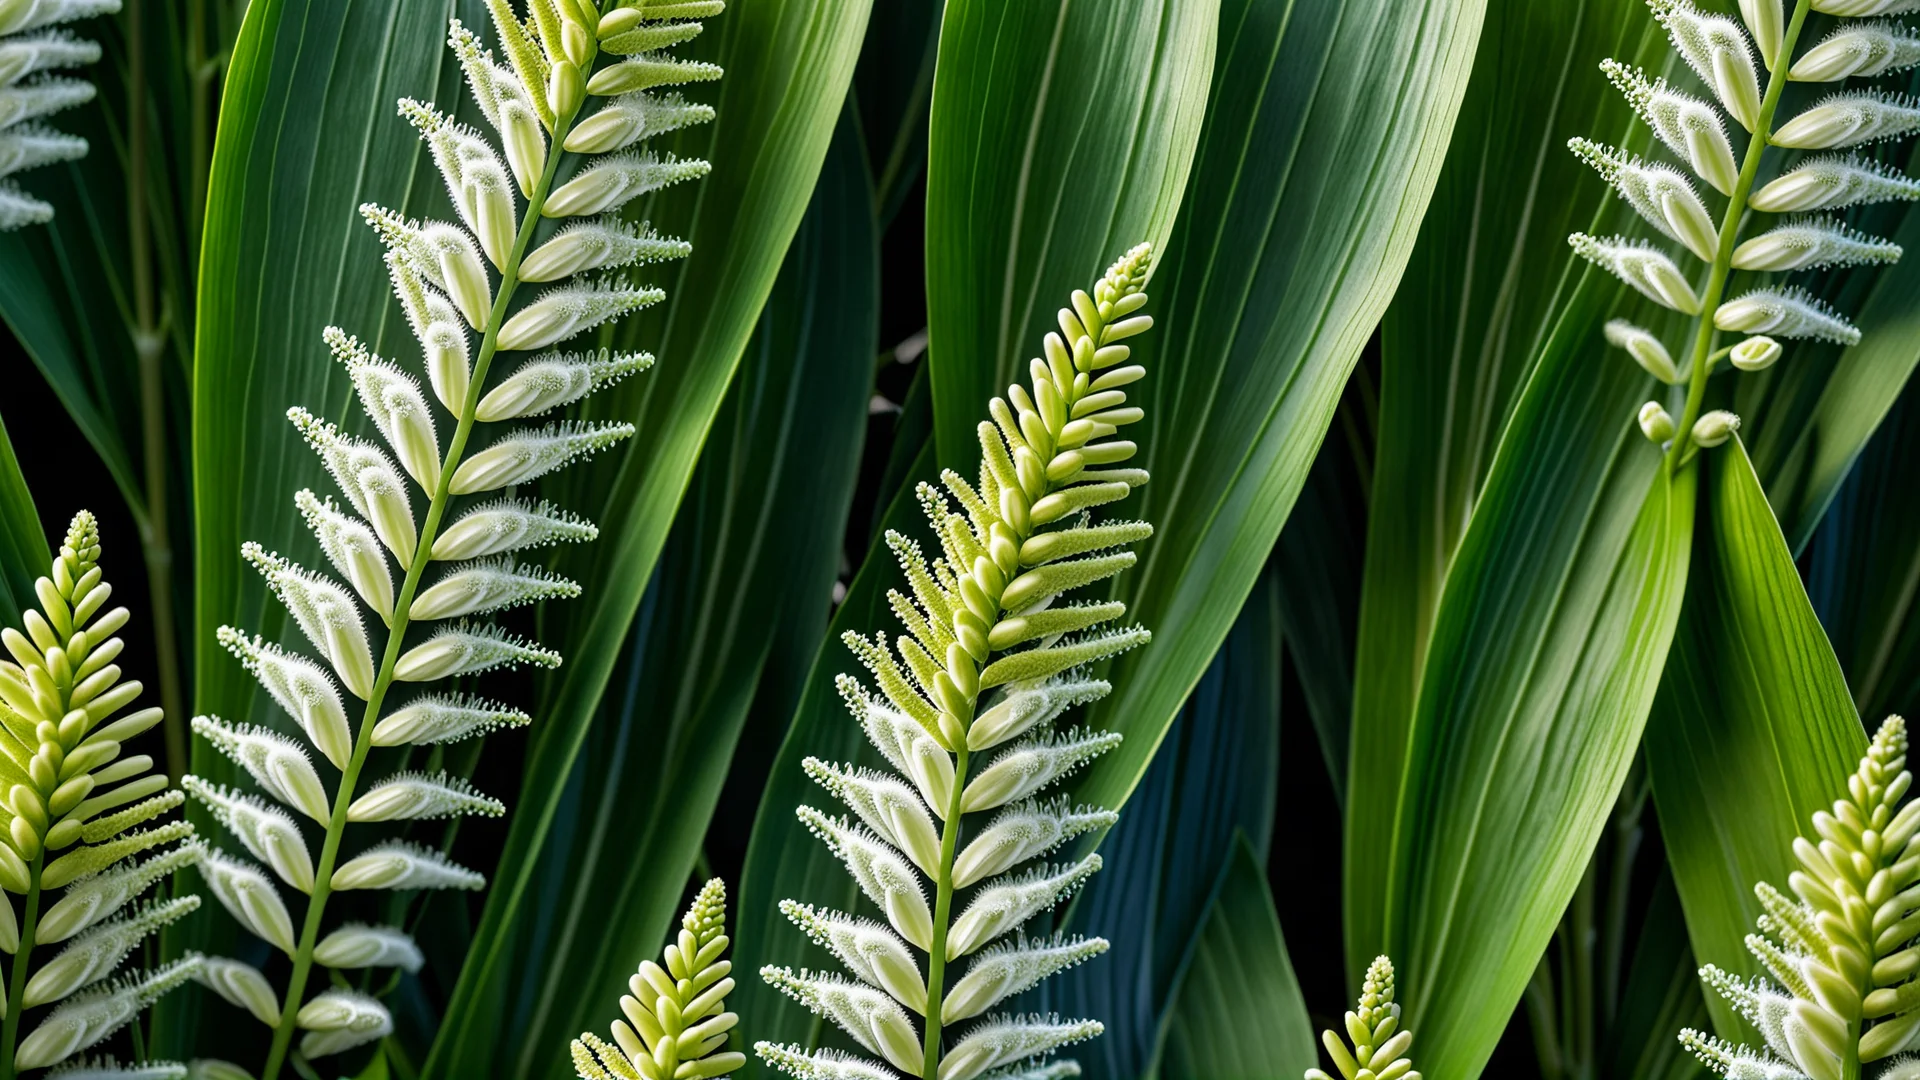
[
  {"x": 400, "y": 865},
  {"x": 604, "y": 243},
  {"x": 505, "y": 525},
  {"x": 1648, "y": 270},
  {"x": 1766, "y": 23},
  {"x": 340, "y": 1020},
  {"x": 1714, "y": 428},
  {"x": 1860, "y": 50},
  {"x": 551, "y": 380},
  {"x": 1789, "y": 312},
  {"x": 301, "y": 688},
  {"x": 563, "y": 312},
  {"x": 1810, "y": 243},
  {"x": 1833, "y": 181},
  {"x": 357, "y": 945},
  {"x": 1716, "y": 48},
  {"x": 519, "y": 458},
  {"x": 353, "y": 549},
  {"x": 1689, "y": 127},
  {"x": 464, "y": 649},
  {"x": 249, "y": 896},
  {"x": 1850, "y": 119},
  {"x": 1646, "y": 350},
  {"x": 613, "y": 181},
  {"x": 629, "y": 118},
  {"x": 1756, "y": 353},
  {"x": 1660, "y": 194},
  {"x": 240, "y": 985}
]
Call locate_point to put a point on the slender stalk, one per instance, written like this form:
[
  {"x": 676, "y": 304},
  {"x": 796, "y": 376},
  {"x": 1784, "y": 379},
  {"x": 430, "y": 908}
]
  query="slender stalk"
[
  {"x": 17, "y": 986},
  {"x": 942, "y": 912},
  {"x": 1729, "y": 234},
  {"x": 398, "y": 622}
]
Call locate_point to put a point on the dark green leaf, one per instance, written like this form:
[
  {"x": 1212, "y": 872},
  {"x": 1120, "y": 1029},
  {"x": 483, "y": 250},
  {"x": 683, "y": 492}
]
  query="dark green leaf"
[{"x": 23, "y": 546}]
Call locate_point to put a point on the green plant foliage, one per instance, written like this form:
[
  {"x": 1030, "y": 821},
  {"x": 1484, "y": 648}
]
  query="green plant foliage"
[
  {"x": 25, "y": 145},
  {"x": 1661, "y": 995},
  {"x": 1236, "y": 1012},
  {"x": 1317, "y": 572},
  {"x": 23, "y": 545}
]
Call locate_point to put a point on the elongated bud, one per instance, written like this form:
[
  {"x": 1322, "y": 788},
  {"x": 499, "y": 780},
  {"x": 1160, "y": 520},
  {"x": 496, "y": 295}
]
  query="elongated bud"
[
  {"x": 357, "y": 945},
  {"x": 1756, "y": 353},
  {"x": 525, "y": 142},
  {"x": 1004, "y": 904},
  {"x": 603, "y": 244},
  {"x": 242, "y": 986},
  {"x": 1819, "y": 242},
  {"x": 1789, "y": 312},
  {"x": 1851, "y": 119},
  {"x": 572, "y": 309},
  {"x": 613, "y": 181},
  {"x": 1716, "y": 48},
  {"x": 400, "y": 865},
  {"x": 869, "y": 950},
  {"x": 1659, "y": 194},
  {"x": 417, "y": 796},
  {"x": 565, "y": 88},
  {"x": 300, "y": 688},
  {"x": 1714, "y": 428},
  {"x": 339, "y": 1020},
  {"x": 274, "y": 761},
  {"x": 551, "y": 380},
  {"x": 324, "y": 612},
  {"x": 353, "y": 549},
  {"x": 1856, "y": 9},
  {"x": 393, "y": 400},
  {"x": 250, "y": 898},
  {"x": 1647, "y": 269},
  {"x": 466, "y": 650},
  {"x": 266, "y": 831},
  {"x": 1646, "y": 350},
  {"x": 524, "y": 456},
  {"x": 874, "y": 1019},
  {"x": 1767, "y": 25},
  {"x": 439, "y": 718},
  {"x": 1688, "y": 126},
  {"x": 367, "y": 477},
  {"x": 630, "y": 118},
  {"x": 1859, "y": 49},
  {"x": 442, "y": 253},
  {"x": 510, "y": 525},
  {"x": 1832, "y": 181},
  {"x": 438, "y": 328},
  {"x": 1655, "y": 423},
  {"x": 650, "y": 71}
]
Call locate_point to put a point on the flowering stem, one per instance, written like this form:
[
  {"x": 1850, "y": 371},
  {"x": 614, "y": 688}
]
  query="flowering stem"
[
  {"x": 17, "y": 986},
  {"x": 398, "y": 621},
  {"x": 942, "y": 915},
  {"x": 1678, "y": 454}
]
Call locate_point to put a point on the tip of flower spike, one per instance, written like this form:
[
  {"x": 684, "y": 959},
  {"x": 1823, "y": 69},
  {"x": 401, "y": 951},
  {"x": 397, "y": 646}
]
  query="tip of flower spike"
[
  {"x": 1128, "y": 274},
  {"x": 707, "y": 916},
  {"x": 1890, "y": 740},
  {"x": 83, "y": 538}
]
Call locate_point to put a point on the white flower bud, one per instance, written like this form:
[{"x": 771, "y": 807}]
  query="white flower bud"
[
  {"x": 94, "y": 955},
  {"x": 274, "y": 761},
  {"x": 504, "y": 101},
  {"x": 266, "y": 831},
  {"x": 476, "y": 180},
  {"x": 242, "y": 986},
  {"x": 611, "y": 182},
  {"x": 350, "y": 545},
  {"x": 1842, "y": 120},
  {"x": 1766, "y": 24},
  {"x": 340, "y": 1020},
  {"x": 525, "y": 141},
  {"x": 1647, "y": 269},
  {"x": 249, "y": 897},
  {"x": 605, "y": 243},
  {"x": 300, "y": 688},
  {"x": 904, "y": 743},
  {"x": 1012, "y": 1039},
  {"x": 1001, "y": 971},
  {"x": 560, "y": 313},
  {"x": 1810, "y": 243},
  {"x": 1789, "y": 312},
  {"x": 1859, "y": 49},
  {"x": 509, "y": 525},
  {"x": 1005, "y": 904},
  {"x": 325, "y": 614},
  {"x": 869, "y": 950},
  {"x": 400, "y": 865},
  {"x": 1756, "y": 353},
  {"x": 1716, "y": 49},
  {"x": 1832, "y": 181},
  {"x": 92, "y": 899},
  {"x": 24, "y": 55},
  {"x": 882, "y": 874},
  {"x": 647, "y": 72},
  {"x": 442, "y": 253},
  {"x": 1024, "y": 832},
  {"x": 1655, "y": 423},
  {"x": 1646, "y": 350},
  {"x": 84, "y": 1021},
  {"x": 418, "y": 796},
  {"x": 30, "y": 146},
  {"x": 1714, "y": 428},
  {"x": 1855, "y": 9},
  {"x": 467, "y": 650},
  {"x": 630, "y": 118},
  {"x": 393, "y": 400},
  {"x": 887, "y": 805},
  {"x": 367, "y": 477},
  {"x": 440, "y": 331},
  {"x": 1024, "y": 705},
  {"x": 873, "y": 1019},
  {"x": 438, "y": 718},
  {"x": 357, "y": 945},
  {"x": 1658, "y": 193},
  {"x": 551, "y": 380},
  {"x": 1688, "y": 126},
  {"x": 530, "y": 454},
  {"x": 1032, "y": 765},
  {"x": 489, "y": 586}
]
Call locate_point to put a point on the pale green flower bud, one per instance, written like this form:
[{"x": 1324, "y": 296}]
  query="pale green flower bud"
[
  {"x": 476, "y": 180},
  {"x": 1002, "y": 971},
  {"x": 1767, "y": 25},
  {"x": 1031, "y": 765},
  {"x": 1850, "y": 119},
  {"x": 1714, "y": 428},
  {"x": 606, "y": 243},
  {"x": 367, "y": 477},
  {"x": 872, "y": 1018},
  {"x": 1859, "y": 49},
  {"x": 613, "y": 181},
  {"x": 1011, "y": 1039},
  {"x": 1756, "y": 353},
  {"x": 1024, "y": 832},
  {"x": 1646, "y": 350},
  {"x": 1004, "y": 905},
  {"x": 869, "y": 950},
  {"x": 904, "y": 742},
  {"x": 301, "y": 689},
  {"x": 1024, "y": 705},
  {"x": 551, "y": 380},
  {"x": 572, "y": 309},
  {"x": 1647, "y": 269},
  {"x": 493, "y": 585},
  {"x": 527, "y": 455},
  {"x": 440, "y": 331},
  {"x": 467, "y": 650},
  {"x": 393, "y": 400},
  {"x": 1716, "y": 48},
  {"x": 1788, "y": 312},
  {"x": 1832, "y": 181},
  {"x": 439, "y": 718},
  {"x": 887, "y": 805},
  {"x": 1688, "y": 126},
  {"x": 90, "y": 900},
  {"x": 509, "y": 525},
  {"x": 274, "y": 761},
  {"x": 1658, "y": 193},
  {"x": 630, "y": 118},
  {"x": 1819, "y": 242},
  {"x": 340, "y": 1020},
  {"x": 647, "y": 72},
  {"x": 525, "y": 141},
  {"x": 882, "y": 874},
  {"x": 249, "y": 896},
  {"x": 84, "y": 1021},
  {"x": 565, "y": 88},
  {"x": 325, "y": 613},
  {"x": 357, "y": 945},
  {"x": 242, "y": 986},
  {"x": 442, "y": 253},
  {"x": 353, "y": 549},
  {"x": 97, "y": 953},
  {"x": 419, "y": 796},
  {"x": 400, "y": 865},
  {"x": 265, "y": 830}
]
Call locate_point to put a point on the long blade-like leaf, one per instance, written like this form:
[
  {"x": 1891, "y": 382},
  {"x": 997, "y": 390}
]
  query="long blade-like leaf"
[
  {"x": 1753, "y": 729},
  {"x": 23, "y": 544}
]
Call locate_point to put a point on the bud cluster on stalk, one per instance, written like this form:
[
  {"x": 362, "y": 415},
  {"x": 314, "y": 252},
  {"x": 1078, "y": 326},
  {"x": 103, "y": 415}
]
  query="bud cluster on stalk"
[
  {"x": 30, "y": 50},
  {"x": 1376, "y": 1041},
  {"x": 80, "y": 815},
  {"x": 420, "y": 530},
  {"x": 1735, "y": 61},
  {"x": 994, "y": 654}
]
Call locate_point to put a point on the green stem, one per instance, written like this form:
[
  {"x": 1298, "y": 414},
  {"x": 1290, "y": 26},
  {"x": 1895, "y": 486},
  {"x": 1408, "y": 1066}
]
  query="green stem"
[
  {"x": 17, "y": 986},
  {"x": 397, "y": 624},
  {"x": 1730, "y": 233},
  {"x": 942, "y": 912}
]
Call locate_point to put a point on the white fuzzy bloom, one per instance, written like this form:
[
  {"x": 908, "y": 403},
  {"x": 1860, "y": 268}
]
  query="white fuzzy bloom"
[
  {"x": 86, "y": 1019},
  {"x": 1646, "y": 350},
  {"x": 438, "y": 718},
  {"x": 1642, "y": 266},
  {"x": 1025, "y": 705},
  {"x": 106, "y": 1068},
  {"x": 871, "y": 951},
  {"x": 1007, "y": 1039},
  {"x": 1764, "y": 1005},
  {"x": 1785, "y": 312},
  {"x": 439, "y": 329},
  {"x": 888, "y": 806},
  {"x": 465, "y": 649},
  {"x": 604, "y": 243},
  {"x": 1859, "y": 50},
  {"x": 357, "y": 945},
  {"x": 1839, "y": 121},
  {"x": 904, "y": 743},
  {"x": 871, "y": 1017},
  {"x": 1024, "y": 832},
  {"x": 548, "y": 381},
  {"x": 1756, "y": 353},
  {"x": 249, "y": 896},
  {"x": 30, "y": 146},
  {"x": 412, "y": 796},
  {"x": 630, "y": 118},
  {"x": 1004, "y": 905},
  {"x": 400, "y": 865},
  {"x": 96, "y": 954},
  {"x": 649, "y": 70},
  {"x": 267, "y": 831},
  {"x": 20, "y": 102},
  {"x": 527, "y": 455},
  {"x": 1031, "y": 765},
  {"x": 20, "y": 15},
  {"x": 509, "y": 525},
  {"x": 804, "y": 1064},
  {"x": 612, "y": 182},
  {"x": 477, "y": 180},
  {"x": 341, "y": 1020},
  {"x": 1659, "y": 193},
  {"x": 1688, "y": 126},
  {"x": 242, "y": 986},
  {"x": 1714, "y": 428},
  {"x": 440, "y": 252},
  {"x": 504, "y": 100},
  {"x": 276, "y": 763},
  {"x": 492, "y": 585},
  {"x": 19, "y": 209},
  {"x": 1766, "y": 23},
  {"x": 393, "y": 400},
  {"x": 1731, "y": 1060},
  {"x": 325, "y": 613},
  {"x": 89, "y": 900},
  {"x": 1813, "y": 243},
  {"x": 575, "y": 308},
  {"x": 1003, "y": 970},
  {"x": 1655, "y": 422},
  {"x": 367, "y": 477},
  {"x": 1716, "y": 48},
  {"x": 881, "y": 873},
  {"x": 1832, "y": 181},
  {"x": 299, "y": 687},
  {"x": 26, "y": 54},
  {"x": 353, "y": 549},
  {"x": 1855, "y": 9},
  {"x": 215, "y": 1069}
]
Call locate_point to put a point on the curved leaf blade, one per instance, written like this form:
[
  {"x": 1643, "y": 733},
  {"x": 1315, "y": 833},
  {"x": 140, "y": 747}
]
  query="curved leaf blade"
[{"x": 23, "y": 546}]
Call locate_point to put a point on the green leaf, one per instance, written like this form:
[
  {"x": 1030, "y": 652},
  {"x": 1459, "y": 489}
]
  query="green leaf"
[
  {"x": 894, "y": 84},
  {"x": 1061, "y": 135},
  {"x": 1487, "y": 285},
  {"x": 1753, "y": 729},
  {"x": 1661, "y": 996},
  {"x": 23, "y": 544},
  {"x": 1237, "y": 1011},
  {"x": 727, "y": 628}
]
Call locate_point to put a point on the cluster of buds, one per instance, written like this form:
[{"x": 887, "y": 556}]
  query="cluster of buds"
[
  {"x": 29, "y": 49},
  {"x": 1376, "y": 1043}
]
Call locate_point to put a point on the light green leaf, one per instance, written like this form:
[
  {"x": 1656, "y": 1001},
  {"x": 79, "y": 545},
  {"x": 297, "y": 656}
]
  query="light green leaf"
[
  {"x": 23, "y": 543},
  {"x": 1753, "y": 729},
  {"x": 1316, "y": 566},
  {"x": 1237, "y": 1013}
]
